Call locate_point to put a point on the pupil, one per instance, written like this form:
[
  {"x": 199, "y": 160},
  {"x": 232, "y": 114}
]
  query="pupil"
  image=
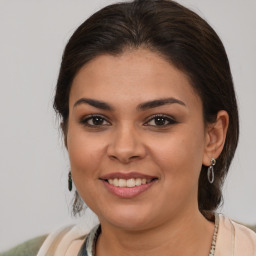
[
  {"x": 160, "y": 121},
  {"x": 97, "y": 120}
]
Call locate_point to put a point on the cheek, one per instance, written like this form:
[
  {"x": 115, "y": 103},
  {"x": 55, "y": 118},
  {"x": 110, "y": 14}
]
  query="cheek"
[
  {"x": 85, "y": 153},
  {"x": 180, "y": 155},
  {"x": 180, "y": 160}
]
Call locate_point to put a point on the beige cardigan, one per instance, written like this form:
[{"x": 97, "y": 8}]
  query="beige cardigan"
[{"x": 233, "y": 240}]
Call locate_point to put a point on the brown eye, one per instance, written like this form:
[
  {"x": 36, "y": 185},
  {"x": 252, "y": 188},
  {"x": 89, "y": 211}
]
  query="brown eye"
[
  {"x": 95, "y": 120},
  {"x": 160, "y": 120}
]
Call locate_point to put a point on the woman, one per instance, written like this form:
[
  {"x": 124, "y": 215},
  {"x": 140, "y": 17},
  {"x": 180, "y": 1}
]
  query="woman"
[{"x": 150, "y": 122}]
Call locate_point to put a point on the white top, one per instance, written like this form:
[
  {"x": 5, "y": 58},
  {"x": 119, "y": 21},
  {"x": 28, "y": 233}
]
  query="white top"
[{"x": 233, "y": 240}]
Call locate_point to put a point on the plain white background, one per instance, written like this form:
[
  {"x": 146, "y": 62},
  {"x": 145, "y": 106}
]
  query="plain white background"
[{"x": 33, "y": 169}]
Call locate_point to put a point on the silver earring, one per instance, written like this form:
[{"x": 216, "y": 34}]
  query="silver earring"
[
  {"x": 70, "y": 185},
  {"x": 210, "y": 171}
]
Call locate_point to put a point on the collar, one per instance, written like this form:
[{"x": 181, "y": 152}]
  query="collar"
[{"x": 89, "y": 246}]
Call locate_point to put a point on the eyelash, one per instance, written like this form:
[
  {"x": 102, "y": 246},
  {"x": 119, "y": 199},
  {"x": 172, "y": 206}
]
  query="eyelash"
[
  {"x": 169, "y": 119},
  {"x": 85, "y": 121}
]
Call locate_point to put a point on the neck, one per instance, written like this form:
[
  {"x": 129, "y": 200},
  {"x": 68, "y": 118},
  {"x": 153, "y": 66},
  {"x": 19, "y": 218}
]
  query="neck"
[{"x": 185, "y": 235}]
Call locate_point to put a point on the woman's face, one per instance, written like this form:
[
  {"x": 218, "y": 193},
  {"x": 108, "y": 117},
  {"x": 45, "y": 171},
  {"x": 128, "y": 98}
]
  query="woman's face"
[{"x": 136, "y": 139}]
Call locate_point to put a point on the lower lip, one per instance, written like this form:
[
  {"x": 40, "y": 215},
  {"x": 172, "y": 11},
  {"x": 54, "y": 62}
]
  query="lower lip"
[{"x": 128, "y": 192}]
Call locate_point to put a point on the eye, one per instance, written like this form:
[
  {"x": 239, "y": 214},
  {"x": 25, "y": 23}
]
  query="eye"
[
  {"x": 160, "y": 120},
  {"x": 94, "y": 120}
]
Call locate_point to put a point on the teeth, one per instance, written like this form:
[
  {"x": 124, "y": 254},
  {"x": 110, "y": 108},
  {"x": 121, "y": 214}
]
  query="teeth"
[
  {"x": 137, "y": 182},
  {"x": 116, "y": 182},
  {"x": 130, "y": 183},
  {"x": 122, "y": 183}
]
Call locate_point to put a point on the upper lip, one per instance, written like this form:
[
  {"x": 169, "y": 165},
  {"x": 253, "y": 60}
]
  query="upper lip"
[{"x": 126, "y": 176}]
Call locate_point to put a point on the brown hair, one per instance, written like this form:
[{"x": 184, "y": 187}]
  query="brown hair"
[{"x": 181, "y": 37}]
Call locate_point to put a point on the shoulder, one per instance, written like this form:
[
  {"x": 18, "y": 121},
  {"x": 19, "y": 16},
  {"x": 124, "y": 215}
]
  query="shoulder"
[
  {"x": 245, "y": 238},
  {"x": 28, "y": 248},
  {"x": 236, "y": 238},
  {"x": 252, "y": 227},
  {"x": 56, "y": 243},
  {"x": 61, "y": 241}
]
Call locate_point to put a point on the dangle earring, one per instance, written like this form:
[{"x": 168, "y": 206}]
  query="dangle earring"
[
  {"x": 70, "y": 185},
  {"x": 210, "y": 171}
]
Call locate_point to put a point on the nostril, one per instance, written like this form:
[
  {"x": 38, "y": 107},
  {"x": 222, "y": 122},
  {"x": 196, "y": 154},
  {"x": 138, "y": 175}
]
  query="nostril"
[
  {"x": 126, "y": 151},
  {"x": 113, "y": 157},
  {"x": 132, "y": 157}
]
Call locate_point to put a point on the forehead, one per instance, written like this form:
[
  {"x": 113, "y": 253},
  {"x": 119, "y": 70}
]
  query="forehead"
[{"x": 135, "y": 74}]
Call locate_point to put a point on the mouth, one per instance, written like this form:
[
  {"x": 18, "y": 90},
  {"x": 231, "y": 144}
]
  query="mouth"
[{"x": 128, "y": 185}]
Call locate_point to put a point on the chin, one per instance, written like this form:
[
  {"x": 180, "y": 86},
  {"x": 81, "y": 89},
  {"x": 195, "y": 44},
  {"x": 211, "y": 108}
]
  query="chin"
[
  {"x": 131, "y": 224},
  {"x": 130, "y": 219}
]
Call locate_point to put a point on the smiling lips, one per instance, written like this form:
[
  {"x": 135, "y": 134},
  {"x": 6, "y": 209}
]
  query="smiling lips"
[
  {"x": 127, "y": 185},
  {"x": 130, "y": 183}
]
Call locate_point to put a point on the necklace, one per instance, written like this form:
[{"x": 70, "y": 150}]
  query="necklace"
[{"x": 214, "y": 238}]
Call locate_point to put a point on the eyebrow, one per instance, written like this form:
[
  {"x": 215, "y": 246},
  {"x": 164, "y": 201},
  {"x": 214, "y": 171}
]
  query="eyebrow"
[
  {"x": 159, "y": 102},
  {"x": 143, "y": 106},
  {"x": 94, "y": 103}
]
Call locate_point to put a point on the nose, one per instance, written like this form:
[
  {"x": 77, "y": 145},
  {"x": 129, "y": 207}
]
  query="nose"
[{"x": 126, "y": 145}]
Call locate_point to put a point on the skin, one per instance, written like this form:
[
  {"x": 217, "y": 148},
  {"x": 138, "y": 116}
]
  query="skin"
[{"x": 163, "y": 220}]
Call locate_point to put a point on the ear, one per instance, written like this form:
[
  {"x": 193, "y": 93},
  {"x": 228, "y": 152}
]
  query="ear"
[
  {"x": 215, "y": 137},
  {"x": 64, "y": 131}
]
